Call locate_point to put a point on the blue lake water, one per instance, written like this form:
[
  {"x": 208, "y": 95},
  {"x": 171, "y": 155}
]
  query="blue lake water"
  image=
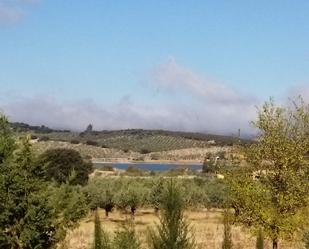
[{"x": 151, "y": 166}]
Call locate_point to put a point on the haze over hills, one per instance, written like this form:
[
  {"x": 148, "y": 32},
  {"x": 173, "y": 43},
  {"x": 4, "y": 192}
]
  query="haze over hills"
[{"x": 140, "y": 140}]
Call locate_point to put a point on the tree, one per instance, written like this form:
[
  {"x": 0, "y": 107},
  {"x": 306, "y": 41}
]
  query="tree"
[
  {"x": 131, "y": 196},
  {"x": 26, "y": 219},
  {"x": 59, "y": 164},
  {"x": 101, "y": 239},
  {"x": 89, "y": 128},
  {"x": 29, "y": 217},
  {"x": 227, "y": 235},
  {"x": 155, "y": 194},
  {"x": 276, "y": 199},
  {"x": 101, "y": 194},
  {"x": 126, "y": 238},
  {"x": 173, "y": 230}
]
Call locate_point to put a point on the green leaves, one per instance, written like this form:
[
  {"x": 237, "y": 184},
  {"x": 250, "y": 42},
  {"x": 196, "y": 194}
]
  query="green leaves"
[
  {"x": 273, "y": 193},
  {"x": 173, "y": 232}
]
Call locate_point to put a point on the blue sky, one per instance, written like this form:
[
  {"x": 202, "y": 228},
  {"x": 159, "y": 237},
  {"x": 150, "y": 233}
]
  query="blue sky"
[{"x": 172, "y": 64}]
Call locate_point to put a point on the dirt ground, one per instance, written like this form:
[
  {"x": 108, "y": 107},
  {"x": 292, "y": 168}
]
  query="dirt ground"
[{"x": 206, "y": 226}]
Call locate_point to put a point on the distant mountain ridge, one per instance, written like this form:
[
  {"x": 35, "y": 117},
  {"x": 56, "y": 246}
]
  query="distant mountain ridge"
[{"x": 141, "y": 140}]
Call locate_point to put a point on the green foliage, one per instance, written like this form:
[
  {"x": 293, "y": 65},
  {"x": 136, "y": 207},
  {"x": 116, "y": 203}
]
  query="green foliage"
[
  {"x": 101, "y": 194},
  {"x": 69, "y": 206},
  {"x": 155, "y": 193},
  {"x": 126, "y": 238},
  {"x": 7, "y": 142},
  {"x": 26, "y": 220},
  {"x": 101, "y": 239},
  {"x": 59, "y": 163},
  {"x": 306, "y": 240},
  {"x": 260, "y": 240},
  {"x": 131, "y": 196},
  {"x": 173, "y": 230},
  {"x": 29, "y": 216},
  {"x": 210, "y": 165},
  {"x": 276, "y": 198},
  {"x": 227, "y": 235}
]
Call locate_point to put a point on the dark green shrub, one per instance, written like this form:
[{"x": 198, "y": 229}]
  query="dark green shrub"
[
  {"x": 59, "y": 164},
  {"x": 145, "y": 151},
  {"x": 91, "y": 142}
]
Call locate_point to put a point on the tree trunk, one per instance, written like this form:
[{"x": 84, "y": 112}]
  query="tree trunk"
[
  {"x": 106, "y": 213},
  {"x": 275, "y": 243}
]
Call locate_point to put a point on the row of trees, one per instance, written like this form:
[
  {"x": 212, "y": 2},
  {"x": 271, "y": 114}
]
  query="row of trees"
[{"x": 132, "y": 193}]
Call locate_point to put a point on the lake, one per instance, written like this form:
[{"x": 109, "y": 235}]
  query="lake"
[{"x": 151, "y": 166}]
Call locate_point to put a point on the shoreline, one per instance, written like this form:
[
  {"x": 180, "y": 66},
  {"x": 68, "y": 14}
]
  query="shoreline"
[{"x": 180, "y": 162}]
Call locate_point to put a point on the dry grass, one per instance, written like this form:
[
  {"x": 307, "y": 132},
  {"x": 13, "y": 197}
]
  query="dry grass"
[{"x": 207, "y": 227}]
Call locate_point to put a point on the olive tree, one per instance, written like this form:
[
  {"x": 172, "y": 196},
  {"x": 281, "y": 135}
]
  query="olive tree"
[{"x": 272, "y": 193}]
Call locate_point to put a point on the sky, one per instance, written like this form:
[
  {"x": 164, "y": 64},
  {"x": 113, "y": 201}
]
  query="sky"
[{"x": 161, "y": 64}]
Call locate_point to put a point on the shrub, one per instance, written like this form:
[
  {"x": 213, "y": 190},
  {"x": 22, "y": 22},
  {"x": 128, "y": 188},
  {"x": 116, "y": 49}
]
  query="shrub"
[
  {"x": 91, "y": 142},
  {"x": 101, "y": 240},
  {"x": 59, "y": 163},
  {"x": 74, "y": 141},
  {"x": 33, "y": 137},
  {"x": 44, "y": 139},
  {"x": 107, "y": 168},
  {"x": 173, "y": 230},
  {"x": 306, "y": 240},
  {"x": 125, "y": 238},
  {"x": 145, "y": 151}
]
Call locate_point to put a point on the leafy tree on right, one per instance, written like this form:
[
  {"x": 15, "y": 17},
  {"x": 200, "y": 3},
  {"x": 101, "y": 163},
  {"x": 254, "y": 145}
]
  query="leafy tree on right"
[{"x": 272, "y": 192}]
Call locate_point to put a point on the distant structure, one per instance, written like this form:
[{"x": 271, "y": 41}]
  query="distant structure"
[{"x": 89, "y": 128}]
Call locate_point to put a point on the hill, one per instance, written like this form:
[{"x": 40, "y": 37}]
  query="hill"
[{"x": 139, "y": 140}]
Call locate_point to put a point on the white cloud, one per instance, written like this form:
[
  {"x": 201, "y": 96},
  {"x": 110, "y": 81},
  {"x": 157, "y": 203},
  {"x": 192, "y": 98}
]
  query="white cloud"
[
  {"x": 217, "y": 108},
  {"x": 171, "y": 76},
  {"x": 13, "y": 11}
]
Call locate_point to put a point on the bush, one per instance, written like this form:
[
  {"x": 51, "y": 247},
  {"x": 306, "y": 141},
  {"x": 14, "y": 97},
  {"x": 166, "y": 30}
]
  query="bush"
[
  {"x": 91, "y": 142},
  {"x": 107, "y": 168},
  {"x": 125, "y": 238},
  {"x": 33, "y": 137},
  {"x": 74, "y": 141},
  {"x": 145, "y": 151},
  {"x": 101, "y": 240},
  {"x": 173, "y": 230},
  {"x": 59, "y": 164},
  {"x": 44, "y": 139}
]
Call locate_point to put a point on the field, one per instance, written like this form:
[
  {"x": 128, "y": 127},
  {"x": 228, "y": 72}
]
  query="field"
[
  {"x": 207, "y": 227},
  {"x": 111, "y": 154}
]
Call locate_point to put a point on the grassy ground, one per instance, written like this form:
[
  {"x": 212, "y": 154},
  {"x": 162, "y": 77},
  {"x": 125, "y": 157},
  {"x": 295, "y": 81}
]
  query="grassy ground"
[{"x": 207, "y": 227}]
